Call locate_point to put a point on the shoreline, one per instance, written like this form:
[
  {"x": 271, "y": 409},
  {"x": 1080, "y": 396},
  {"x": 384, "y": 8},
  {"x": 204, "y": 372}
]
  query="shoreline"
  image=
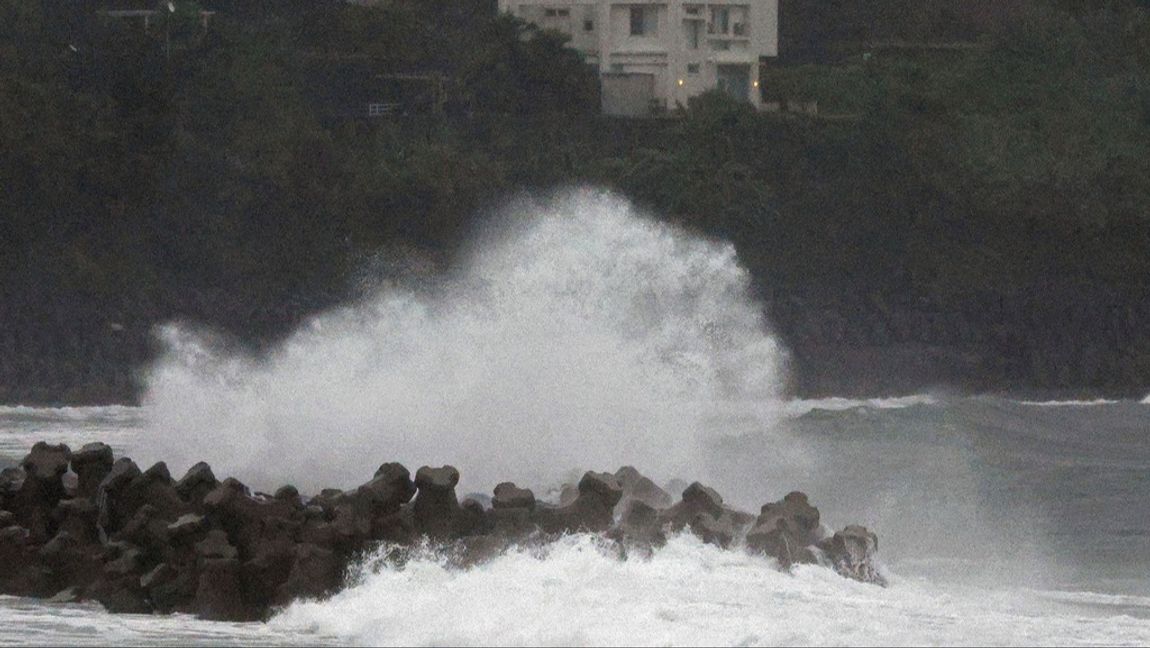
[{"x": 86, "y": 526}]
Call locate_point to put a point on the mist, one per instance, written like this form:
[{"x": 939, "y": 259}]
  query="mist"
[{"x": 579, "y": 334}]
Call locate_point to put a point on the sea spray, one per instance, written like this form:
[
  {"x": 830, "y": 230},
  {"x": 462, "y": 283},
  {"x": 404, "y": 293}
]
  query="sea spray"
[
  {"x": 577, "y": 334},
  {"x": 686, "y": 594}
]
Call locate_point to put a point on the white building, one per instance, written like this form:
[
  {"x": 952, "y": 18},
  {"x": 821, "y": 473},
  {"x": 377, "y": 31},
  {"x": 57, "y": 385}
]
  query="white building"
[{"x": 653, "y": 56}]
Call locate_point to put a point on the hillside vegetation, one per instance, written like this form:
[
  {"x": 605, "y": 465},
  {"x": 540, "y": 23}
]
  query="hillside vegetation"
[{"x": 974, "y": 215}]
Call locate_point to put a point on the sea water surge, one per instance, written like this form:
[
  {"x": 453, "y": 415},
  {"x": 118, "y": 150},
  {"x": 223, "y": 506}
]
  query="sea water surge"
[
  {"x": 1051, "y": 545},
  {"x": 583, "y": 336}
]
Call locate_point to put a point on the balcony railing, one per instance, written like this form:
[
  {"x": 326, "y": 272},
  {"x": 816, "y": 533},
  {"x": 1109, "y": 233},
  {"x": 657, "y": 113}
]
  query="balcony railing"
[{"x": 737, "y": 30}]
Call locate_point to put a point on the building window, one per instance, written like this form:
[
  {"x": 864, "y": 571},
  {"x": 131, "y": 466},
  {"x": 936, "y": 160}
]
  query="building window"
[
  {"x": 380, "y": 109},
  {"x": 721, "y": 46},
  {"x": 564, "y": 12},
  {"x": 694, "y": 28},
  {"x": 637, "y": 23},
  {"x": 644, "y": 20},
  {"x": 588, "y": 25},
  {"x": 616, "y": 67},
  {"x": 550, "y": 13},
  {"x": 692, "y": 11},
  {"x": 692, "y": 68},
  {"x": 720, "y": 20}
]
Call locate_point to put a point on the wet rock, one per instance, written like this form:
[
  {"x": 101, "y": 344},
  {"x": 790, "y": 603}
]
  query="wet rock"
[
  {"x": 717, "y": 531},
  {"x": 435, "y": 507},
  {"x": 121, "y": 595},
  {"x": 697, "y": 500},
  {"x": 124, "y": 471},
  {"x": 170, "y": 588},
  {"x": 60, "y": 545},
  {"x": 472, "y": 519},
  {"x": 392, "y": 487},
  {"x": 508, "y": 495},
  {"x": 327, "y": 500},
  {"x": 148, "y": 530},
  {"x": 639, "y": 527},
  {"x": 215, "y": 549},
  {"x": 352, "y": 524},
  {"x": 216, "y": 546},
  {"x": 187, "y": 526},
  {"x": 155, "y": 488},
  {"x": 91, "y": 463},
  {"x": 478, "y": 549},
  {"x": 197, "y": 483},
  {"x": 78, "y": 517},
  {"x": 289, "y": 495},
  {"x": 161, "y": 575},
  {"x": 315, "y": 572},
  {"x": 47, "y": 463},
  {"x": 70, "y": 561},
  {"x": 741, "y": 520},
  {"x": 219, "y": 592},
  {"x": 568, "y": 494},
  {"x": 15, "y": 535},
  {"x": 231, "y": 507},
  {"x": 510, "y": 522},
  {"x": 483, "y": 498},
  {"x": 637, "y": 487},
  {"x": 11, "y": 481},
  {"x": 786, "y": 529},
  {"x": 130, "y": 561},
  {"x": 41, "y": 490},
  {"x": 71, "y": 484},
  {"x": 593, "y": 510},
  {"x": 268, "y": 568},
  {"x": 318, "y": 532},
  {"x": 66, "y": 595},
  {"x": 601, "y": 486},
  {"x": 159, "y": 472},
  {"x": 368, "y": 512},
  {"x": 114, "y": 508},
  {"x": 851, "y": 552}
]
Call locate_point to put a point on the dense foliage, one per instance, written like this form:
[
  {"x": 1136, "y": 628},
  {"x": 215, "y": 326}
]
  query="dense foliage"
[{"x": 235, "y": 163}]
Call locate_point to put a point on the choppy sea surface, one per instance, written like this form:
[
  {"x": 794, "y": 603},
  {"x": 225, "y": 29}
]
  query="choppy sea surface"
[{"x": 1001, "y": 522}]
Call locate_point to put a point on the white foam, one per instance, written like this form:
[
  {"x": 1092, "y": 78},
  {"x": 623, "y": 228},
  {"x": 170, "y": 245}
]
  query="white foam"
[
  {"x": 86, "y": 413},
  {"x": 27, "y": 622},
  {"x": 799, "y": 407},
  {"x": 580, "y": 335},
  {"x": 687, "y": 594},
  {"x": 1070, "y": 403}
]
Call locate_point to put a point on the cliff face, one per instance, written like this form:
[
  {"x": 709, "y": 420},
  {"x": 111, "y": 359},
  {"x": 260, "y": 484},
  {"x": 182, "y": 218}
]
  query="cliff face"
[{"x": 72, "y": 351}]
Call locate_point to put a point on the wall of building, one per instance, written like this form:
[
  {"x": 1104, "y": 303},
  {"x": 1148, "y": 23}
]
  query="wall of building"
[{"x": 678, "y": 70}]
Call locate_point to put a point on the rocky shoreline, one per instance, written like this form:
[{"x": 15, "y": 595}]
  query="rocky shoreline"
[{"x": 84, "y": 525}]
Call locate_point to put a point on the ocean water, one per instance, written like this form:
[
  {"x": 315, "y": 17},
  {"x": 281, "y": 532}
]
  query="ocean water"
[
  {"x": 580, "y": 334},
  {"x": 1000, "y": 523}
]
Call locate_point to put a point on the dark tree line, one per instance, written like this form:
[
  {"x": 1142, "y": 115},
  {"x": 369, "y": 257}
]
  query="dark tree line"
[{"x": 184, "y": 172}]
